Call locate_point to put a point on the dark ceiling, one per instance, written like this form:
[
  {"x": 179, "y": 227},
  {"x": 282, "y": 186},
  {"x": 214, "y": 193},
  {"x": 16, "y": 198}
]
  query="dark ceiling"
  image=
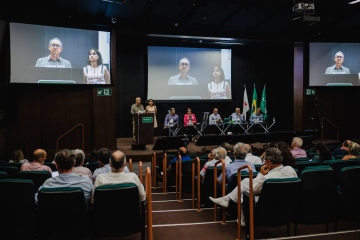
[{"x": 240, "y": 19}]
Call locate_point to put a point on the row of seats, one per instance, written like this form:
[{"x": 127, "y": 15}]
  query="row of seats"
[
  {"x": 66, "y": 212},
  {"x": 313, "y": 198}
]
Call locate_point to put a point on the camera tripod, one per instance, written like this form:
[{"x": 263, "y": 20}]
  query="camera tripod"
[{"x": 314, "y": 120}]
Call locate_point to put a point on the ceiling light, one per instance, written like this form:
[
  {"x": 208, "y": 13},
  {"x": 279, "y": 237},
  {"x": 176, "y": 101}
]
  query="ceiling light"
[{"x": 353, "y": 2}]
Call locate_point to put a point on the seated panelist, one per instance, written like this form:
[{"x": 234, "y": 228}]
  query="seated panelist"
[
  {"x": 189, "y": 118},
  {"x": 237, "y": 117},
  {"x": 171, "y": 119},
  {"x": 256, "y": 117},
  {"x": 215, "y": 118}
]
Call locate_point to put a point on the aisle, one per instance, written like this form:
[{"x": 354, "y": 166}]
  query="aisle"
[{"x": 178, "y": 221}]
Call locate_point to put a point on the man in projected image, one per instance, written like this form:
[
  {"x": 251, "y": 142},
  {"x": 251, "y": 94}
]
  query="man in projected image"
[
  {"x": 53, "y": 60},
  {"x": 338, "y": 68},
  {"x": 183, "y": 78}
]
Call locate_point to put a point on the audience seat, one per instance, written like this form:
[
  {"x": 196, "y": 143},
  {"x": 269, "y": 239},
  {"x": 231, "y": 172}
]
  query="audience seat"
[
  {"x": 64, "y": 208},
  {"x": 3, "y": 175},
  {"x": 18, "y": 209},
  {"x": 276, "y": 205},
  {"x": 318, "y": 199},
  {"x": 129, "y": 211},
  {"x": 349, "y": 194},
  {"x": 38, "y": 177},
  {"x": 10, "y": 170}
]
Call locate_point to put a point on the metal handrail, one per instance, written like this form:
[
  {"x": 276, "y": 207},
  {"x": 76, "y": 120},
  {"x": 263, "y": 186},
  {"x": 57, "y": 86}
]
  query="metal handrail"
[
  {"x": 251, "y": 203},
  {"x": 82, "y": 136},
  {"x": 322, "y": 128},
  {"x": 223, "y": 177},
  {"x": 193, "y": 167},
  {"x": 149, "y": 203}
]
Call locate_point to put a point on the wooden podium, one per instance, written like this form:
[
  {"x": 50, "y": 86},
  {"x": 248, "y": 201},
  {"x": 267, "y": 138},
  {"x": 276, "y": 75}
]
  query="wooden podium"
[{"x": 144, "y": 130}]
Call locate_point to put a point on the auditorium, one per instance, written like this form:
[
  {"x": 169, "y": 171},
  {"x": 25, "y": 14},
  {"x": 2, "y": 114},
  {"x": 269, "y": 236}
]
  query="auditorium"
[{"x": 79, "y": 76}]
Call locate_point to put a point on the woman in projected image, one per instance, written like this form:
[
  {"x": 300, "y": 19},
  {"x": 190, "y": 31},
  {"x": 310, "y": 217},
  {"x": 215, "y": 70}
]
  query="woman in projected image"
[
  {"x": 96, "y": 72},
  {"x": 219, "y": 88},
  {"x": 151, "y": 108}
]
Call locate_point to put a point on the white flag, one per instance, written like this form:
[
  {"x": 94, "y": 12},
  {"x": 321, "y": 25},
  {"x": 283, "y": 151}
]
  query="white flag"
[{"x": 246, "y": 104}]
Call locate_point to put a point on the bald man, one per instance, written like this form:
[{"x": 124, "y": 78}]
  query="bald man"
[
  {"x": 39, "y": 157},
  {"x": 118, "y": 175}
]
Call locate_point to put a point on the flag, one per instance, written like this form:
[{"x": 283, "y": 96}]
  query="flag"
[
  {"x": 263, "y": 103},
  {"x": 254, "y": 101},
  {"x": 246, "y": 104}
]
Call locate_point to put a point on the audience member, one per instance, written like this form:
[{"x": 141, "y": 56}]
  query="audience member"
[
  {"x": 219, "y": 88},
  {"x": 272, "y": 168},
  {"x": 343, "y": 150},
  {"x": 151, "y": 108},
  {"x": 79, "y": 162},
  {"x": 287, "y": 158},
  {"x": 250, "y": 157},
  {"x": 136, "y": 108},
  {"x": 53, "y": 60},
  {"x": 183, "y": 152},
  {"x": 354, "y": 151},
  {"x": 217, "y": 153},
  {"x": 296, "y": 150},
  {"x": 323, "y": 153},
  {"x": 93, "y": 156},
  {"x": 117, "y": 175},
  {"x": 65, "y": 161},
  {"x": 240, "y": 152},
  {"x": 229, "y": 149},
  {"x": 18, "y": 157},
  {"x": 183, "y": 78},
  {"x": 104, "y": 155},
  {"x": 37, "y": 164}
]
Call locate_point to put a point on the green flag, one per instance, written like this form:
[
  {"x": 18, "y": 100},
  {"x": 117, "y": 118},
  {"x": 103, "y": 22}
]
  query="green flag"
[
  {"x": 254, "y": 102},
  {"x": 263, "y": 103}
]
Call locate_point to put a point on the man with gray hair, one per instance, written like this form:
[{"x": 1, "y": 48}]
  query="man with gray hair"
[
  {"x": 272, "y": 168},
  {"x": 79, "y": 162},
  {"x": 240, "y": 152},
  {"x": 250, "y": 157},
  {"x": 183, "y": 78},
  {"x": 338, "y": 68},
  {"x": 217, "y": 153},
  {"x": 54, "y": 60},
  {"x": 117, "y": 175}
]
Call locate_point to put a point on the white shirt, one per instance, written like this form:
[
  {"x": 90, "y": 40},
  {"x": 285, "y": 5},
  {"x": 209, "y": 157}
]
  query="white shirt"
[
  {"x": 111, "y": 178},
  {"x": 253, "y": 159}
]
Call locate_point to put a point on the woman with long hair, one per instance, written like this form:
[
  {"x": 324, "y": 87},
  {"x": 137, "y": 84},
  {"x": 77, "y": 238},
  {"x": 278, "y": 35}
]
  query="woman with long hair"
[{"x": 288, "y": 158}]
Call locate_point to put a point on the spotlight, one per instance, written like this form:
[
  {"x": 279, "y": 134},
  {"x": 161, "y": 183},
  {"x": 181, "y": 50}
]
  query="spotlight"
[
  {"x": 113, "y": 20},
  {"x": 176, "y": 24}
]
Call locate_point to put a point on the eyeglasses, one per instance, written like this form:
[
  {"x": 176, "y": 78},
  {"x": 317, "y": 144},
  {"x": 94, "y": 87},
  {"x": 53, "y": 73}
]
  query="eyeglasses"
[
  {"x": 339, "y": 56},
  {"x": 55, "y": 45},
  {"x": 185, "y": 64}
]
